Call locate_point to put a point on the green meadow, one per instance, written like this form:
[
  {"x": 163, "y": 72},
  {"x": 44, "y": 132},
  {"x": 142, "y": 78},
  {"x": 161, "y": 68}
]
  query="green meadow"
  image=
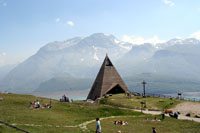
[
  {"x": 67, "y": 117},
  {"x": 134, "y": 102}
]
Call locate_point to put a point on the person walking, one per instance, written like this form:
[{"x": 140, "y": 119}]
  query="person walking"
[
  {"x": 163, "y": 114},
  {"x": 98, "y": 126},
  {"x": 154, "y": 130}
]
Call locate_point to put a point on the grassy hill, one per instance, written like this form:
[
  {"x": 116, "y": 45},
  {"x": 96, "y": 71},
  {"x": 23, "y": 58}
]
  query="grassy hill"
[
  {"x": 66, "y": 117},
  {"x": 144, "y": 124},
  {"x": 15, "y": 109},
  {"x": 152, "y": 103}
]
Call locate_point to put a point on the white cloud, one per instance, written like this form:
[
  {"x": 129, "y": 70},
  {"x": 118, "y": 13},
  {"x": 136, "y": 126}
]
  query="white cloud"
[
  {"x": 2, "y": 60},
  {"x": 95, "y": 57},
  {"x": 140, "y": 40},
  {"x": 2, "y": 3},
  {"x": 82, "y": 59},
  {"x": 178, "y": 37},
  {"x": 70, "y": 23},
  {"x": 116, "y": 41},
  {"x": 57, "y": 20},
  {"x": 195, "y": 35},
  {"x": 169, "y": 2},
  {"x": 3, "y": 54}
]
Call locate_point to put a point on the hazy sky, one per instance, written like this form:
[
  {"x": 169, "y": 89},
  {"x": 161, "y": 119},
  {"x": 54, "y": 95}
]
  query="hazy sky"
[{"x": 27, "y": 25}]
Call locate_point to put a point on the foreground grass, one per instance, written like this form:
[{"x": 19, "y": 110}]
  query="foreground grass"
[
  {"x": 152, "y": 103},
  {"x": 43, "y": 129},
  {"x": 15, "y": 109},
  {"x": 140, "y": 124}
]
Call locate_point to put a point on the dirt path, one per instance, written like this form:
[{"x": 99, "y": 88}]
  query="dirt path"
[
  {"x": 183, "y": 108},
  {"x": 148, "y": 112},
  {"x": 82, "y": 126},
  {"x": 181, "y": 116},
  {"x": 34, "y": 125},
  {"x": 188, "y": 107}
]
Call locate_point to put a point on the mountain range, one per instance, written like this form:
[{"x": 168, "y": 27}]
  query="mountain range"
[{"x": 61, "y": 63}]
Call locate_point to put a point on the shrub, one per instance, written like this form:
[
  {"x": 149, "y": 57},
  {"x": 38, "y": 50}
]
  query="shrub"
[{"x": 103, "y": 101}]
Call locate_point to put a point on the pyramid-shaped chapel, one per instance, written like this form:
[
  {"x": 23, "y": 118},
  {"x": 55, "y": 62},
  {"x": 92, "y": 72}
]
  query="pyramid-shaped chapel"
[{"x": 108, "y": 81}]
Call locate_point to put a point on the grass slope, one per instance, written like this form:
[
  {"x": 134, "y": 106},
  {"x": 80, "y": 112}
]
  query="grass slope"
[
  {"x": 152, "y": 103},
  {"x": 15, "y": 109},
  {"x": 142, "y": 125}
]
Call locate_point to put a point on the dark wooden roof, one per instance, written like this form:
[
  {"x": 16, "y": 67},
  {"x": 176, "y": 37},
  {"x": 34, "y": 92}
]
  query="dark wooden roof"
[{"x": 107, "y": 78}]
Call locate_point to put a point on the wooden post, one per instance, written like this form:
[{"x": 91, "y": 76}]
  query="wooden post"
[{"x": 144, "y": 88}]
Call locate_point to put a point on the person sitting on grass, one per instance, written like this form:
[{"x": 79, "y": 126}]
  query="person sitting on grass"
[
  {"x": 37, "y": 104},
  {"x": 116, "y": 122},
  {"x": 98, "y": 126},
  {"x": 124, "y": 123},
  {"x": 176, "y": 115},
  {"x": 171, "y": 114},
  {"x": 32, "y": 104},
  {"x": 155, "y": 119}
]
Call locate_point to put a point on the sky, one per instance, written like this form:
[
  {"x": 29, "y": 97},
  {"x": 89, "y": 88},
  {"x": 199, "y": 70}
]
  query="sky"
[{"x": 27, "y": 25}]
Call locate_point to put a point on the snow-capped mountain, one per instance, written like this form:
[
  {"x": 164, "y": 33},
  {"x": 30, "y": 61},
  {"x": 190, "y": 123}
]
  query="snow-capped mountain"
[
  {"x": 76, "y": 57},
  {"x": 81, "y": 57},
  {"x": 176, "y": 58},
  {"x": 177, "y": 41}
]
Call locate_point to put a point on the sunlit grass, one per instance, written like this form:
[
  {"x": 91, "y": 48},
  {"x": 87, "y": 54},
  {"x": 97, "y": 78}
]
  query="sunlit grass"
[
  {"x": 15, "y": 109},
  {"x": 152, "y": 103},
  {"x": 144, "y": 124}
]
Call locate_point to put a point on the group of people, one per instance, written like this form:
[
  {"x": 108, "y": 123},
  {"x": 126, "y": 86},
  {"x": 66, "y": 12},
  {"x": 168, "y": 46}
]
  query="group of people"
[
  {"x": 98, "y": 126},
  {"x": 174, "y": 115},
  {"x": 36, "y": 104},
  {"x": 64, "y": 99},
  {"x": 117, "y": 122}
]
